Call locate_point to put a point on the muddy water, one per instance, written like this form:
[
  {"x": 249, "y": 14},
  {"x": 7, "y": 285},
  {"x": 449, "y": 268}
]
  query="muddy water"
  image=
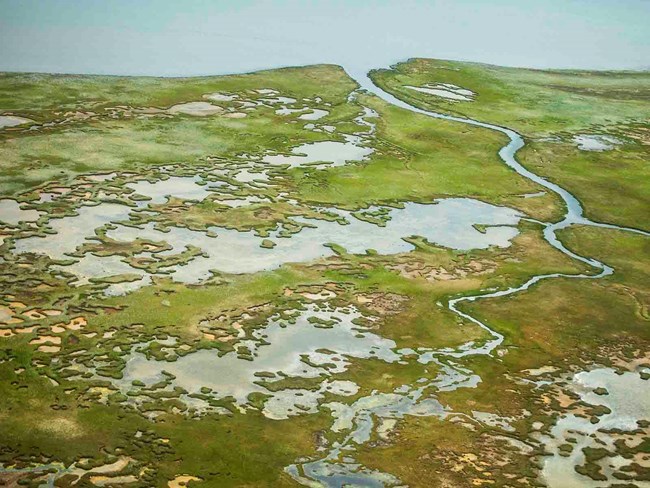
[
  {"x": 445, "y": 91},
  {"x": 315, "y": 114},
  {"x": 91, "y": 266},
  {"x": 591, "y": 142},
  {"x": 13, "y": 121},
  {"x": 448, "y": 222},
  {"x": 73, "y": 231},
  {"x": 175, "y": 186},
  {"x": 331, "y": 153}
]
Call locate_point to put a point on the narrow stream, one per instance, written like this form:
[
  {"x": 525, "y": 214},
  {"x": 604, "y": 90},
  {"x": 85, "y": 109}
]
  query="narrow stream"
[
  {"x": 368, "y": 415},
  {"x": 338, "y": 468},
  {"x": 574, "y": 212}
]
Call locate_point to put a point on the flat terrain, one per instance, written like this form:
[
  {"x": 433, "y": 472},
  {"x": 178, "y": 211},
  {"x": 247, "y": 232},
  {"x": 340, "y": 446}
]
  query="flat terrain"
[
  {"x": 277, "y": 279},
  {"x": 559, "y": 113}
]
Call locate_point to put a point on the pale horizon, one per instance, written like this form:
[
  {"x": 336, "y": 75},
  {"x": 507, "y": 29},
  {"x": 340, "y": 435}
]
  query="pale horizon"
[{"x": 214, "y": 38}]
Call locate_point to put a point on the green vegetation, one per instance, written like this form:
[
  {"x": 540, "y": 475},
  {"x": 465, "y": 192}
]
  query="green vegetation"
[
  {"x": 550, "y": 108},
  {"x": 44, "y": 97},
  {"x": 613, "y": 185},
  {"x": 421, "y": 158},
  {"x": 533, "y": 102},
  {"x": 581, "y": 317},
  {"x": 417, "y": 158},
  {"x": 95, "y": 336},
  {"x": 119, "y": 138}
]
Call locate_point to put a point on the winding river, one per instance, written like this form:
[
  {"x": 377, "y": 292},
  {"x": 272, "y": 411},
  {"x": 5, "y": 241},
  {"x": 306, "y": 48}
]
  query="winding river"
[
  {"x": 338, "y": 468},
  {"x": 574, "y": 212}
]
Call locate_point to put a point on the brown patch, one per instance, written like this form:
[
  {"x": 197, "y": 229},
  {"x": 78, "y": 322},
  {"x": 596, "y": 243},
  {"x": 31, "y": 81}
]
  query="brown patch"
[
  {"x": 382, "y": 303},
  {"x": 12, "y": 480},
  {"x": 60, "y": 427},
  {"x": 181, "y": 481},
  {"x": 640, "y": 134},
  {"x": 419, "y": 270}
]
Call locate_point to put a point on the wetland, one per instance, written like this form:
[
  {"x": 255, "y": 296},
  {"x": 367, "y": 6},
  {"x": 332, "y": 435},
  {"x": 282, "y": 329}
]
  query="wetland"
[{"x": 294, "y": 277}]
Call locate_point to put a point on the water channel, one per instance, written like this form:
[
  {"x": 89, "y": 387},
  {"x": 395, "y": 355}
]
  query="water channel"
[{"x": 338, "y": 468}]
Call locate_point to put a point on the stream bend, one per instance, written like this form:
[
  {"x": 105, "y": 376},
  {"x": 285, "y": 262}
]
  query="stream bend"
[
  {"x": 338, "y": 468},
  {"x": 574, "y": 214}
]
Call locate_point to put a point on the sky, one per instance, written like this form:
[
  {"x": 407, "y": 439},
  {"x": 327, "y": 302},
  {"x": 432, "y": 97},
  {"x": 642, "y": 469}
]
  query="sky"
[{"x": 200, "y": 37}]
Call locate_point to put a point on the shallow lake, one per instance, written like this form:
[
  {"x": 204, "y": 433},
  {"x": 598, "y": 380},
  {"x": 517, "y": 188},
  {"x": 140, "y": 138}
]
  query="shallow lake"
[
  {"x": 448, "y": 222},
  {"x": 278, "y": 350}
]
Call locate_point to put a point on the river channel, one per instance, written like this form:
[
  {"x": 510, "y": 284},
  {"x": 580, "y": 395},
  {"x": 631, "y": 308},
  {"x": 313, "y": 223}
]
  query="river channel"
[{"x": 339, "y": 468}]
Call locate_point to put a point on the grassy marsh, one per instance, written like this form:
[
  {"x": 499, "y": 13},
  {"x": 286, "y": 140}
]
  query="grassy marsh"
[
  {"x": 550, "y": 108},
  {"x": 64, "y": 345}
]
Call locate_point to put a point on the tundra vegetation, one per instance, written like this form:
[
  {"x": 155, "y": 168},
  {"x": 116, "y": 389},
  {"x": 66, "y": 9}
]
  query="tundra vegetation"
[{"x": 246, "y": 280}]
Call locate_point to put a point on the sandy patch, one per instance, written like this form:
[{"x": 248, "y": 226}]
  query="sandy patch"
[
  {"x": 181, "y": 481},
  {"x": 60, "y": 427},
  {"x": 46, "y": 340},
  {"x": 323, "y": 295},
  {"x": 113, "y": 480},
  {"x": 34, "y": 314},
  {"x": 118, "y": 465},
  {"x": 76, "y": 324}
]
